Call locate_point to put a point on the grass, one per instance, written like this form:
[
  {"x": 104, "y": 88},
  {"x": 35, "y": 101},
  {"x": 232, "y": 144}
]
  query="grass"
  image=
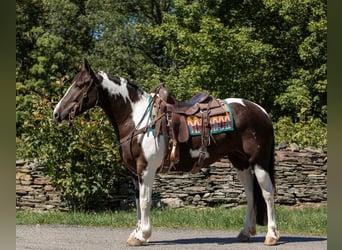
[{"x": 310, "y": 220}]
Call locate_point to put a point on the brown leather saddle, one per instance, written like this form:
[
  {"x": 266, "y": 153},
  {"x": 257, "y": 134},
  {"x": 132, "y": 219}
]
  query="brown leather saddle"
[
  {"x": 185, "y": 108},
  {"x": 175, "y": 128}
]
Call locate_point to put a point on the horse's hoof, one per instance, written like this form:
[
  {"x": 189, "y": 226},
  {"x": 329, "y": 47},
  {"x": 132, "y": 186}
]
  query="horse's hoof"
[
  {"x": 252, "y": 231},
  {"x": 132, "y": 241},
  {"x": 271, "y": 241},
  {"x": 242, "y": 237}
]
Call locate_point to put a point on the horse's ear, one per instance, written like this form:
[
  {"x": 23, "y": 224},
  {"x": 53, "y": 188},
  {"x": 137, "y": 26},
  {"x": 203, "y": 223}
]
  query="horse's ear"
[{"x": 86, "y": 66}]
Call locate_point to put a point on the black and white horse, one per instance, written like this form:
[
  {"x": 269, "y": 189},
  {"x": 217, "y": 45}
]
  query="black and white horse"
[{"x": 250, "y": 146}]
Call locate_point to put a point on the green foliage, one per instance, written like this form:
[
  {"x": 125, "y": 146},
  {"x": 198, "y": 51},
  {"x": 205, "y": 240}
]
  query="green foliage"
[
  {"x": 296, "y": 100},
  {"x": 304, "y": 134},
  {"x": 83, "y": 163},
  {"x": 272, "y": 52},
  {"x": 51, "y": 37},
  {"x": 201, "y": 52},
  {"x": 300, "y": 35}
]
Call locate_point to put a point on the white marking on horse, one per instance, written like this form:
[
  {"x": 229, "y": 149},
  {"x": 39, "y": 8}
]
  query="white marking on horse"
[
  {"x": 152, "y": 150},
  {"x": 151, "y": 145},
  {"x": 263, "y": 110},
  {"x": 240, "y": 101},
  {"x": 139, "y": 109},
  {"x": 61, "y": 100},
  {"x": 144, "y": 229},
  {"x": 196, "y": 152},
  {"x": 235, "y": 100},
  {"x": 113, "y": 88},
  {"x": 267, "y": 188}
]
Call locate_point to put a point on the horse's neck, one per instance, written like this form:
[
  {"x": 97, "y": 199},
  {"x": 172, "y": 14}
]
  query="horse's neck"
[{"x": 124, "y": 113}]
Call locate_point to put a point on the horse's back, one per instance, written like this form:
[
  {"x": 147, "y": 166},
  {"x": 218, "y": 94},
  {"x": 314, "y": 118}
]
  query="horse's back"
[{"x": 248, "y": 114}]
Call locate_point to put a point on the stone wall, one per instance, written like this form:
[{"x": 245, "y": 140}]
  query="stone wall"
[
  {"x": 33, "y": 190},
  {"x": 301, "y": 177}
]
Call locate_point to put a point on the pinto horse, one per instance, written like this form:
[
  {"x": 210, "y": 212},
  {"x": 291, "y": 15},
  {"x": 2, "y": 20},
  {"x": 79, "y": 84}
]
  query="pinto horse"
[{"x": 250, "y": 146}]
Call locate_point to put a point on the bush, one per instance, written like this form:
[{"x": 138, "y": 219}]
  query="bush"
[
  {"x": 84, "y": 164},
  {"x": 304, "y": 134}
]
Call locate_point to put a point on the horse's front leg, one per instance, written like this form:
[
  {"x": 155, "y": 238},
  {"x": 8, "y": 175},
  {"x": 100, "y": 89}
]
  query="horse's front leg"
[
  {"x": 137, "y": 200},
  {"x": 143, "y": 231}
]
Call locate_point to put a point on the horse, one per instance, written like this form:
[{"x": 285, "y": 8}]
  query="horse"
[{"x": 249, "y": 147}]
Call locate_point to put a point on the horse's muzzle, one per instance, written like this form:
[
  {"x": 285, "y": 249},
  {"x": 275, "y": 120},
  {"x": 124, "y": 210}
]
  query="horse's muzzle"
[
  {"x": 56, "y": 117},
  {"x": 59, "y": 117}
]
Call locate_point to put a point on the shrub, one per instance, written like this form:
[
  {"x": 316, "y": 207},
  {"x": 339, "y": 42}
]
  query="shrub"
[
  {"x": 310, "y": 133},
  {"x": 84, "y": 164}
]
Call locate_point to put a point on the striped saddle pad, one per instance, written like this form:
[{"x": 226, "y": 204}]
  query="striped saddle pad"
[{"x": 218, "y": 124}]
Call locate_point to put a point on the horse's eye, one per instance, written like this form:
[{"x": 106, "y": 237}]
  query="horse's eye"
[{"x": 79, "y": 84}]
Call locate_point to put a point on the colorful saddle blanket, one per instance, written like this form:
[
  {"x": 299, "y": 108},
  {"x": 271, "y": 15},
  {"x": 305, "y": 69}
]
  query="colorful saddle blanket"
[{"x": 218, "y": 124}]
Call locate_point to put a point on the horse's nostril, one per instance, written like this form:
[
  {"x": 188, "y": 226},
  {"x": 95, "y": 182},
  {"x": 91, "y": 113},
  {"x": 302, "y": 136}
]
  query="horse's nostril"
[{"x": 56, "y": 116}]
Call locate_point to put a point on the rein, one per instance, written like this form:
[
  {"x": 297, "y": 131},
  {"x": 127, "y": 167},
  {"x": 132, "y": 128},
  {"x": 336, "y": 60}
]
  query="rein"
[{"x": 135, "y": 132}]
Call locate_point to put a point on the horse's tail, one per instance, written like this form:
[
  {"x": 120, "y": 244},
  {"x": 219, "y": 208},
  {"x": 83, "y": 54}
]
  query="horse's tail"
[{"x": 259, "y": 202}]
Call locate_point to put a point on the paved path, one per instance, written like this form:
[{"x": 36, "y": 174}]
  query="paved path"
[{"x": 99, "y": 238}]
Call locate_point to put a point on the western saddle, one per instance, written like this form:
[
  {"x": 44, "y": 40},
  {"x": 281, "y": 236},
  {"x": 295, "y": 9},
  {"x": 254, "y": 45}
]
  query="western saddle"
[{"x": 174, "y": 126}]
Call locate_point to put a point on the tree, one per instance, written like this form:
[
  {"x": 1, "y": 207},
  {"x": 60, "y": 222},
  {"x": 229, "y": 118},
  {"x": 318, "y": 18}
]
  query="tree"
[
  {"x": 298, "y": 30},
  {"x": 46, "y": 51},
  {"x": 50, "y": 44}
]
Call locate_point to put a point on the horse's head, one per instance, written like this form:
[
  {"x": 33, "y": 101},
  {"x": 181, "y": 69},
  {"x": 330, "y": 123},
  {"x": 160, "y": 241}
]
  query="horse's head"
[{"x": 82, "y": 95}]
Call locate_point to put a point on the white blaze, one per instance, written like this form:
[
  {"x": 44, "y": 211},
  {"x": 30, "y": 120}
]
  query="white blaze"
[{"x": 59, "y": 103}]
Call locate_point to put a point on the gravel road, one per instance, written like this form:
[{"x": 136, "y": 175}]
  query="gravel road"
[{"x": 99, "y": 238}]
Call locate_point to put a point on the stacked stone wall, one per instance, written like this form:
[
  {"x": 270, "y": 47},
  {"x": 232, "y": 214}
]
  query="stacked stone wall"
[
  {"x": 301, "y": 177},
  {"x": 33, "y": 189}
]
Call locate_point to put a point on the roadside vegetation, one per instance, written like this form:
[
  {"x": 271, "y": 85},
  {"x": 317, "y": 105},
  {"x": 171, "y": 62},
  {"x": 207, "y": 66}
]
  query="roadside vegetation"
[{"x": 309, "y": 220}]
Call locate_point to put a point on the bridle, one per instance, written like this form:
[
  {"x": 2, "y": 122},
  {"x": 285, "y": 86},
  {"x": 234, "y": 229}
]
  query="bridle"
[
  {"x": 85, "y": 94},
  {"x": 83, "y": 100}
]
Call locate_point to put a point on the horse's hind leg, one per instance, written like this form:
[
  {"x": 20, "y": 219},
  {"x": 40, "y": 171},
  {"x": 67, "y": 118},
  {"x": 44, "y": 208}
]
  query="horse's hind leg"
[
  {"x": 249, "y": 229},
  {"x": 267, "y": 188}
]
